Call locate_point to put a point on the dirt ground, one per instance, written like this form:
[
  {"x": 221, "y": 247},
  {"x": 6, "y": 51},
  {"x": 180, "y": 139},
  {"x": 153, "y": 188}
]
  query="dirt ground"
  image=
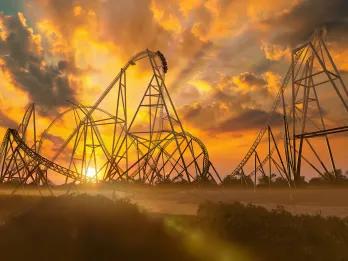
[{"x": 185, "y": 201}]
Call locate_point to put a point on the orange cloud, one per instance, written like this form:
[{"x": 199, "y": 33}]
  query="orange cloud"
[
  {"x": 168, "y": 21},
  {"x": 275, "y": 52}
]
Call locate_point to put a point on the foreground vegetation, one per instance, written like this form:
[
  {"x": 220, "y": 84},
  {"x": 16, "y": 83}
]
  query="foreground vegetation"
[
  {"x": 86, "y": 228},
  {"x": 276, "y": 234},
  {"x": 95, "y": 228}
]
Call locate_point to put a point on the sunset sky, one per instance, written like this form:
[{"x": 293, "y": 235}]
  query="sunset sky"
[{"x": 226, "y": 58}]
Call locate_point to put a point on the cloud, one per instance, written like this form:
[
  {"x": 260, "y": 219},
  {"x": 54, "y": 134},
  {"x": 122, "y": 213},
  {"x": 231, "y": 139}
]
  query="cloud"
[
  {"x": 204, "y": 116},
  {"x": 24, "y": 60},
  {"x": 7, "y": 122},
  {"x": 192, "y": 66},
  {"x": 189, "y": 94},
  {"x": 275, "y": 52},
  {"x": 297, "y": 24},
  {"x": 250, "y": 119},
  {"x": 129, "y": 24},
  {"x": 125, "y": 27},
  {"x": 239, "y": 102},
  {"x": 248, "y": 82}
]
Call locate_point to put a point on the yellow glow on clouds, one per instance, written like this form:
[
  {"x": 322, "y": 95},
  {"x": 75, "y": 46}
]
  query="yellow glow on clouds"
[
  {"x": 168, "y": 21},
  {"x": 201, "y": 85}
]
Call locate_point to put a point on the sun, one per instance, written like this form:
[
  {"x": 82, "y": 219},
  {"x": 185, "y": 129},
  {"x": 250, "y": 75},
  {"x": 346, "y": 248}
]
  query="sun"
[{"x": 91, "y": 172}]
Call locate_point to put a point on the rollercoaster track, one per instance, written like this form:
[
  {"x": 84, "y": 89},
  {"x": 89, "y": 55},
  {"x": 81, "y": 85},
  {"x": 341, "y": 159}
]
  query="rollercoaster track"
[
  {"x": 40, "y": 159},
  {"x": 206, "y": 163},
  {"x": 3, "y": 144},
  {"x": 263, "y": 162},
  {"x": 265, "y": 159},
  {"x": 25, "y": 121},
  {"x": 164, "y": 147},
  {"x": 46, "y": 131},
  {"x": 299, "y": 55},
  {"x": 261, "y": 133},
  {"x": 149, "y": 167},
  {"x": 132, "y": 61},
  {"x": 160, "y": 145},
  {"x": 167, "y": 140}
]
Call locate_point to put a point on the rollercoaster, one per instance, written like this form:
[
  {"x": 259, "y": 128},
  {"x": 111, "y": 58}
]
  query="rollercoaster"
[
  {"x": 302, "y": 102},
  {"x": 150, "y": 146}
]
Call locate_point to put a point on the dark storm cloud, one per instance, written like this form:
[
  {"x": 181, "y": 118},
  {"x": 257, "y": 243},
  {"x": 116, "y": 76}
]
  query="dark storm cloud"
[
  {"x": 232, "y": 106},
  {"x": 46, "y": 85},
  {"x": 206, "y": 117},
  {"x": 249, "y": 120},
  {"x": 245, "y": 85},
  {"x": 202, "y": 115},
  {"x": 207, "y": 114},
  {"x": 251, "y": 79},
  {"x": 297, "y": 24},
  {"x": 6, "y": 122}
]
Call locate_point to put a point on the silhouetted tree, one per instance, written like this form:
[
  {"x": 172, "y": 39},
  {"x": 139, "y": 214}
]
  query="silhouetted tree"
[{"x": 237, "y": 181}]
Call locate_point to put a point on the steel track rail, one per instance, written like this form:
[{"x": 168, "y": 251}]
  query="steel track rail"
[{"x": 40, "y": 159}]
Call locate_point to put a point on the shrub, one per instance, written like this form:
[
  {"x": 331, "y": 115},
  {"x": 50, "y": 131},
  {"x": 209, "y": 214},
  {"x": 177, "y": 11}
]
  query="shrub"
[
  {"x": 87, "y": 228},
  {"x": 276, "y": 234}
]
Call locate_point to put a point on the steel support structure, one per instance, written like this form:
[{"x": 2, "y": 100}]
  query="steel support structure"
[
  {"x": 312, "y": 71},
  {"x": 152, "y": 148},
  {"x": 316, "y": 72}
]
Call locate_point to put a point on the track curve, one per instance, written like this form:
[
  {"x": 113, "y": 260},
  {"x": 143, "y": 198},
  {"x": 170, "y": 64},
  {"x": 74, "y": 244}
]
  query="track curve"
[{"x": 40, "y": 159}]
